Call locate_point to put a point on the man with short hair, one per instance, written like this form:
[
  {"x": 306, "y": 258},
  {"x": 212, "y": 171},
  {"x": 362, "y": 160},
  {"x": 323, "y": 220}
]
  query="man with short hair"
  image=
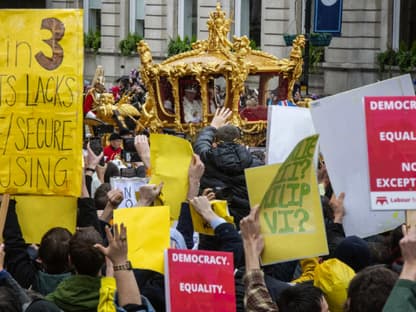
[
  {"x": 225, "y": 160},
  {"x": 369, "y": 289}
]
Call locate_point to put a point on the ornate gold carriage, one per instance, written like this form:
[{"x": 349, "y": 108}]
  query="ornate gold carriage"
[{"x": 221, "y": 73}]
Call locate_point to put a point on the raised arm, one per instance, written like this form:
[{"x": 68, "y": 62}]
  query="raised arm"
[
  {"x": 141, "y": 142},
  {"x": 127, "y": 288},
  {"x": 257, "y": 297}
]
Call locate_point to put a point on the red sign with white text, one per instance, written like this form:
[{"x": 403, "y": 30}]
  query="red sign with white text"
[
  {"x": 391, "y": 141},
  {"x": 198, "y": 280}
]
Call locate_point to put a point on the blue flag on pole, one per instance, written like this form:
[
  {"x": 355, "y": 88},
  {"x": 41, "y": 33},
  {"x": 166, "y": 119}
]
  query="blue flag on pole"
[{"x": 328, "y": 16}]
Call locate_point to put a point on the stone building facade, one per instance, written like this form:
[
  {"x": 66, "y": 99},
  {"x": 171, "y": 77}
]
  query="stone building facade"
[{"x": 368, "y": 27}]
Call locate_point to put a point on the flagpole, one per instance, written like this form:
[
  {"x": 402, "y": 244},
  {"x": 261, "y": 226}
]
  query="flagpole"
[{"x": 308, "y": 11}]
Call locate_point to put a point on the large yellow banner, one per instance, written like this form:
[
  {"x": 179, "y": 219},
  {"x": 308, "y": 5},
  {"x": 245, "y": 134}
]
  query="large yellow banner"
[
  {"x": 291, "y": 216},
  {"x": 41, "y": 68}
]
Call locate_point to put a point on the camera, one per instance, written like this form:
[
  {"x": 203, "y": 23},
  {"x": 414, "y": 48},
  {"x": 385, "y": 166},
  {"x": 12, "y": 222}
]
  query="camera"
[
  {"x": 97, "y": 148},
  {"x": 129, "y": 151},
  {"x": 222, "y": 192},
  {"x": 100, "y": 130}
]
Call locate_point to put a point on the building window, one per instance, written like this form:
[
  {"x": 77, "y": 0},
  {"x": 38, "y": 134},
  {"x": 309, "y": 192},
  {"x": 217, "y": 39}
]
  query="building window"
[
  {"x": 137, "y": 17},
  {"x": 92, "y": 15},
  {"x": 407, "y": 34},
  {"x": 248, "y": 13},
  {"x": 188, "y": 18}
]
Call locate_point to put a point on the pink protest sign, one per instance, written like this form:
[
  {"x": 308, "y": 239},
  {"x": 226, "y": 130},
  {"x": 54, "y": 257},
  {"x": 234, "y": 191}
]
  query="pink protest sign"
[
  {"x": 197, "y": 280},
  {"x": 391, "y": 140}
]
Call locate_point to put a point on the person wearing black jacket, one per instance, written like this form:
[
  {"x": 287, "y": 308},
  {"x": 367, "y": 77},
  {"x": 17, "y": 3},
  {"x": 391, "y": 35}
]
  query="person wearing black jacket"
[{"x": 225, "y": 161}]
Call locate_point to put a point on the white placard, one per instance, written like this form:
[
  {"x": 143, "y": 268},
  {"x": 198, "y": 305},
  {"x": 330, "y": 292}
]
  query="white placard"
[
  {"x": 340, "y": 122},
  {"x": 129, "y": 187},
  {"x": 286, "y": 127}
]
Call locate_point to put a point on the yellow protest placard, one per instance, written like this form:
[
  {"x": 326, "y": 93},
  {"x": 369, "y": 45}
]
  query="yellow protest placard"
[
  {"x": 38, "y": 214},
  {"x": 148, "y": 235},
  {"x": 202, "y": 226},
  {"x": 41, "y": 72},
  {"x": 170, "y": 158},
  {"x": 291, "y": 216}
]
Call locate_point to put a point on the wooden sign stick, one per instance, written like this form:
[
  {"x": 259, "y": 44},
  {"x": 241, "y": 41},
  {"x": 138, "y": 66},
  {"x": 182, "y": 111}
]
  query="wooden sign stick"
[{"x": 411, "y": 217}]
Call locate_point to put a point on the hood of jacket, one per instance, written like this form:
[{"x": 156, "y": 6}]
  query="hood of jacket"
[
  {"x": 46, "y": 283},
  {"x": 77, "y": 293}
]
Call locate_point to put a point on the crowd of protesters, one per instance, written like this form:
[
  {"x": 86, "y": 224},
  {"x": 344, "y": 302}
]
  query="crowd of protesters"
[{"x": 89, "y": 270}]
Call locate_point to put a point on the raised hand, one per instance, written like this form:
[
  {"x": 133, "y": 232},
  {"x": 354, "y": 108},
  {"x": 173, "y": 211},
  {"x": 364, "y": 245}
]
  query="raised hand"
[{"x": 221, "y": 117}]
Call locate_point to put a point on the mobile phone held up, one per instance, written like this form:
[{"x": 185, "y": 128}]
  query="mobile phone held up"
[{"x": 97, "y": 148}]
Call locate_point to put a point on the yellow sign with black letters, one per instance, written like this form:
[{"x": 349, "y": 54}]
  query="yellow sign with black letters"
[{"x": 41, "y": 68}]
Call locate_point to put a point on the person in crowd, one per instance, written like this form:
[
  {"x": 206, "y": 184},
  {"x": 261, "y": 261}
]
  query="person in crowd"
[
  {"x": 93, "y": 97},
  {"x": 192, "y": 106},
  {"x": 225, "y": 161},
  {"x": 80, "y": 292},
  {"x": 113, "y": 150},
  {"x": 302, "y": 297},
  {"x": 226, "y": 235},
  {"x": 128, "y": 292},
  {"x": 13, "y": 298},
  {"x": 403, "y": 296},
  {"x": 354, "y": 251},
  {"x": 369, "y": 289},
  {"x": 122, "y": 88},
  {"x": 49, "y": 268}
]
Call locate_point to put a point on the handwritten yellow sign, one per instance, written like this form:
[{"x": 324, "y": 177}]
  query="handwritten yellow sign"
[
  {"x": 41, "y": 68},
  {"x": 201, "y": 226},
  {"x": 290, "y": 210},
  {"x": 148, "y": 235},
  {"x": 170, "y": 159}
]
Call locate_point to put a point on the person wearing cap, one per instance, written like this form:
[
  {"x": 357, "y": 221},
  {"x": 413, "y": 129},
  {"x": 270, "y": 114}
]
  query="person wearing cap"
[
  {"x": 192, "y": 107},
  {"x": 114, "y": 148}
]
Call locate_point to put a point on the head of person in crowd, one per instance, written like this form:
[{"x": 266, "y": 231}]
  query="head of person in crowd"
[
  {"x": 115, "y": 141},
  {"x": 190, "y": 92},
  {"x": 54, "y": 250},
  {"x": 124, "y": 83},
  {"x": 354, "y": 252},
  {"x": 86, "y": 259},
  {"x": 369, "y": 289},
  {"x": 302, "y": 297},
  {"x": 228, "y": 134},
  {"x": 100, "y": 196}
]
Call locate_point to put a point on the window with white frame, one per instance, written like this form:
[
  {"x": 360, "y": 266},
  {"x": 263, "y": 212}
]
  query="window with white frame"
[
  {"x": 92, "y": 15},
  {"x": 188, "y": 18},
  {"x": 248, "y": 19},
  {"x": 137, "y": 17}
]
